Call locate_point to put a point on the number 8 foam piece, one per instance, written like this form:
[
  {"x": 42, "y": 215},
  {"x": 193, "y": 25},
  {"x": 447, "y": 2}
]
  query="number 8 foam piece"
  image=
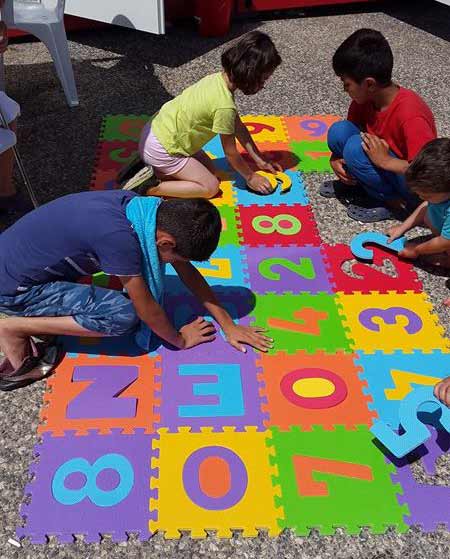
[
  {"x": 415, "y": 432},
  {"x": 91, "y": 485}
]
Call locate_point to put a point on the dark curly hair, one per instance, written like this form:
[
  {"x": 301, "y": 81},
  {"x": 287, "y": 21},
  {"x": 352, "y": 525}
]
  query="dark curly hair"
[
  {"x": 250, "y": 61},
  {"x": 430, "y": 169}
]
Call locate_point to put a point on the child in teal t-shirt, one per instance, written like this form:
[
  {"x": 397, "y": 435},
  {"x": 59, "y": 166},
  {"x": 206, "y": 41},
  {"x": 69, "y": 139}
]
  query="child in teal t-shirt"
[
  {"x": 429, "y": 177},
  {"x": 171, "y": 144}
]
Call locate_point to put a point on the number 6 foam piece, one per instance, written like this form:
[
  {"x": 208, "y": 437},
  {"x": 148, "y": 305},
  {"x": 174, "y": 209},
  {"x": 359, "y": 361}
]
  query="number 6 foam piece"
[
  {"x": 375, "y": 238},
  {"x": 415, "y": 431}
]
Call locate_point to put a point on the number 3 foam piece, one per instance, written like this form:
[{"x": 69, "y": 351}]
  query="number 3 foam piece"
[
  {"x": 416, "y": 433},
  {"x": 373, "y": 237}
]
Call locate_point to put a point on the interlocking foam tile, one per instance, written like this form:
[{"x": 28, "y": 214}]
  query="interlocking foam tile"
[
  {"x": 275, "y": 152},
  {"x": 205, "y": 388},
  {"x": 104, "y": 180},
  {"x": 91, "y": 485},
  {"x": 296, "y": 195},
  {"x": 213, "y": 481},
  {"x": 427, "y": 503},
  {"x": 280, "y": 269},
  {"x": 304, "y": 321},
  {"x": 124, "y": 127},
  {"x": 266, "y": 128},
  {"x": 214, "y": 148},
  {"x": 305, "y": 390},
  {"x": 309, "y": 127},
  {"x": 391, "y": 377},
  {"x": 350, "y": 275},
  {"x": 225, "y": 267},
  {"x": 332, "y": 479},
  {"x": 227, "y": 194},
  {"x": 114, "y": 155},
  {"x": 102, "y": 393},
  {"x": 231, "y": 226},
  {"x": 392, "y": 321},
  {"x": 313, "y": 156},
  {"x": 281, "y": 225}
]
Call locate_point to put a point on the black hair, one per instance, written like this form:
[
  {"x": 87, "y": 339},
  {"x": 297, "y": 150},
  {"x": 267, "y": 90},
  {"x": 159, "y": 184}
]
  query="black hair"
[
  {"x": 194, "y": 223},
  {"x": 250, "y": 60},
  {"x": 365, "y": 54},
  {"x": 430, "y": 169}
]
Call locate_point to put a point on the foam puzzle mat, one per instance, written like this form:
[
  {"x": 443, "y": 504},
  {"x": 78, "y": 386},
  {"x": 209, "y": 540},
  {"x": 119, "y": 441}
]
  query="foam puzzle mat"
[{"x": 214, "y": 439}]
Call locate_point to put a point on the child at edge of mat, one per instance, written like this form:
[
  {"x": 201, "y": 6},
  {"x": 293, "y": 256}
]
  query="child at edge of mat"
[
  {"x": 442, "y": 391},
  {"x": 387, "y": 125},
  {"x": 429, "y": 177},
  {"x": 119, "y": 233},
  {"x": 171, "y": 144}
]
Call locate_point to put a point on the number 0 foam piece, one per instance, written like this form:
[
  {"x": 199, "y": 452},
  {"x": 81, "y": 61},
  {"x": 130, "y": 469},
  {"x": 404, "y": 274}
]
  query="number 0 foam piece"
[
  {"x": 91, "y": 485},
  {"x": 416, "y": 433},
  {"x": 359, "y": 249}
]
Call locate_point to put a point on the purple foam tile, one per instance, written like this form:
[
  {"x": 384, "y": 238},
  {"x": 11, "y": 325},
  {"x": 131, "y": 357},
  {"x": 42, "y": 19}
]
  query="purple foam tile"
[
  {"x": 428, "y": 504},
  {"x": 92, "y": 485},
  {"x": 281, "y": 269},
  {"x": 212, "y": 385}
]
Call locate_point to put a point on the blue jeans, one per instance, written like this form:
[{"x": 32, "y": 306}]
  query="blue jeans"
[
  {"x": 94, "y": 308},
  {"x": 345, "y": 142}
]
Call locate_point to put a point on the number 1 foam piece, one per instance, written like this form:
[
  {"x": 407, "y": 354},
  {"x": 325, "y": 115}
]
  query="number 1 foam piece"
[
  {"x": 416, "y": 433},
  {"x": 373, "y": 237}
]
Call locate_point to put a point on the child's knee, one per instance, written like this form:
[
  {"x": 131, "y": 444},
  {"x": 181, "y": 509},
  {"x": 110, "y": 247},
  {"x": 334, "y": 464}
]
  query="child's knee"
[
  {"x": 338, "y": 134},
  {"x": 354, "y": 155},
  {"x": 211, "y": 187},
  {"x": 125, "y": 323}
]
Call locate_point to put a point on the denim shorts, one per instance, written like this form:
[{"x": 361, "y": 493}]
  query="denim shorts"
[{"x": 106, "y": 311}]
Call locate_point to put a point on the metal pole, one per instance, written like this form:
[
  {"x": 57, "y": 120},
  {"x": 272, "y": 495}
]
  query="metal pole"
[{"x": 20, "y": 166}]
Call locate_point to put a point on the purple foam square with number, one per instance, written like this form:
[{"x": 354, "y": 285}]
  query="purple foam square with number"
[
  {"x": 281, "y": 269},
  {"x": 212, "y": 360},
  {"x": 428, "y": 504},
  {"x": 48, "y": 514}
]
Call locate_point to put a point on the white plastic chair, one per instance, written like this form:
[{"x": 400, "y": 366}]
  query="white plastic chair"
[
  {"x": 7, "y": 139},
  {"x": 45, "y": 20}
]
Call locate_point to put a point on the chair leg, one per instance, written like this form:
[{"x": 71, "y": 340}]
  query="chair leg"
[{"x": 58, "y": 47}]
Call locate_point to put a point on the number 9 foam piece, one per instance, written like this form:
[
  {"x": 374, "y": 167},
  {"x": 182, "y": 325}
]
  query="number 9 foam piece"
[
  {"x": 373, "y": 237},
  {"x": 416, "y": 433}
]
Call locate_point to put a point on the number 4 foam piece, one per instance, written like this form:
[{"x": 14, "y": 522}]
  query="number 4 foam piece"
[
  {"x": 375, "y": 238},
  {"x": 416, "y": 433}
]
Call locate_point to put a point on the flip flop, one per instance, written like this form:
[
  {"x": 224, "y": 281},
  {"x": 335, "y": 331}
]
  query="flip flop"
[
  {"x": 369, "y": 214},
  {"x": 44, "y": 359},
  {"x": 336, "y": 189}
]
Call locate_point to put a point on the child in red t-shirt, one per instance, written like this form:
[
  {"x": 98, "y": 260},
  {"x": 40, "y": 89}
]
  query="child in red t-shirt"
[{"x": 387, "y": 125}]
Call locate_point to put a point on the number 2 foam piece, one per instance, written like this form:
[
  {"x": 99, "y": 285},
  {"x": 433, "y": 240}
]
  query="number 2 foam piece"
[{"x": 359, "y": 249}]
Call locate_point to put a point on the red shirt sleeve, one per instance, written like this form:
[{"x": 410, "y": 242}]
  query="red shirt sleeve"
[{"x": 417, "y": 132}]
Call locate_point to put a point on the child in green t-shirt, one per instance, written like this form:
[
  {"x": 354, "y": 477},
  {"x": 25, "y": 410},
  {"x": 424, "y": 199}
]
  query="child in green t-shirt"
[{"x": 171, "y": 144}]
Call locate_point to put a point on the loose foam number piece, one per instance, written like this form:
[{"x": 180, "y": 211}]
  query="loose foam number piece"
[
  {"x": 416, "y": 433},
  {"x": 275, "y": 179},
  {"x": 373, "y": 237}
]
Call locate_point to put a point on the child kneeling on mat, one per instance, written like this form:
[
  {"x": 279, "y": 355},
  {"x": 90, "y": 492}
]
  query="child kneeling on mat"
[
  {"x": 44, "y": 254},
  {"x": 171, "y": 144},
  {"x": 387, "y": 125},
  {"x": 429, "y": 177}
]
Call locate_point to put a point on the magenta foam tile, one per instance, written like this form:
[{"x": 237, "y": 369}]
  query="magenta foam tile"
[
  {"x": 287, "y": 269},
  {"x": 214, "y": 385},
  {"x": 91, "y": 485}
]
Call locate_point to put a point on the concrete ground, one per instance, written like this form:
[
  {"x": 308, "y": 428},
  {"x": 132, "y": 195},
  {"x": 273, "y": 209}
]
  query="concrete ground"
[{"x": 120, "y": 71}]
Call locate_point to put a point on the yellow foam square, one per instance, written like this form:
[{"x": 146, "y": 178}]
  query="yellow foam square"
[
  {"x": 175, "y": 509},
  {"x": 403, "y": 321},
  {"x": 266, "y": 128}
]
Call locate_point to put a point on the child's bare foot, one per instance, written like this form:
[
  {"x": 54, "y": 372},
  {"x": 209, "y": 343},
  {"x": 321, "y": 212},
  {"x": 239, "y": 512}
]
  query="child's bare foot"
[{"x": 15, "y": 348}]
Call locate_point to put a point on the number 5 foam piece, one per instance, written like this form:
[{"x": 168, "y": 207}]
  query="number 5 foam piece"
[
  {"x": 281, "y": 225},
  {"x": 91, "y": 485},
  {"x": 360, "y": 250},
  {"x": 294, "y": 269},
  {"x": 415, "y": 432},
  {"x": 309, "y": 389},
  {"x": 303, "y": 321},
  {"x": 217, "y": 481},
  {"x": 391, "y": 377},
  {"x": 335, "y": 478},
  {"x": 391, "y": 321}
]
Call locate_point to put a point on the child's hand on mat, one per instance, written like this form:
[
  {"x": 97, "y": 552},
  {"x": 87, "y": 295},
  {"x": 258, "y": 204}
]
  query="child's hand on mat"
[
  {"x": 3, "y": 36},
  {"x": 337, "y": 165},
  {"x": 251, "y": 335},
  {"x": 395, "y": 233},
  {"x": 442, "y": 391},
  {"x": 264, "y": 165},
  {"x": 376, "y": 149},
  {"x": 197, "y": 332},
  {"x": 260, "y": 184},
  {"x": 410, "y": 251}
]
